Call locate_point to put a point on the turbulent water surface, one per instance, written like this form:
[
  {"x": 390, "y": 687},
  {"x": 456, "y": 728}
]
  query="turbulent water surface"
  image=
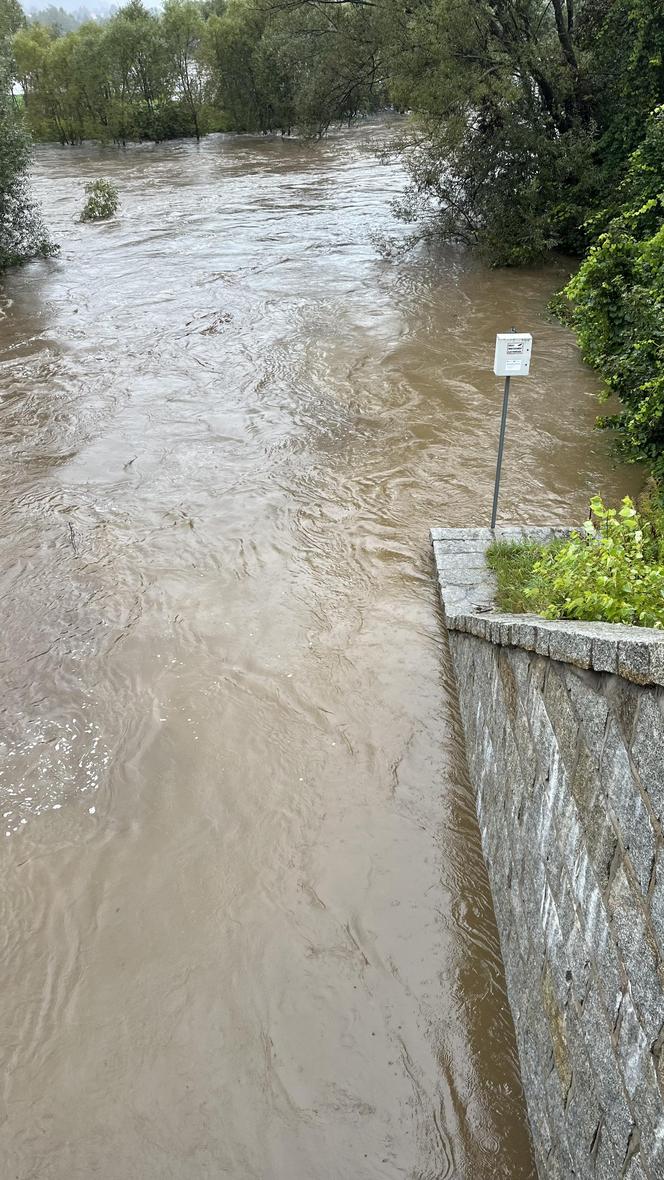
[{"x": 246, "y": 929}]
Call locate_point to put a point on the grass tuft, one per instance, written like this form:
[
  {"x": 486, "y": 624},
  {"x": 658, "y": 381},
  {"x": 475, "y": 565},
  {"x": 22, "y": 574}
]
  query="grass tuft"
[{"x": 513, "y": 564}]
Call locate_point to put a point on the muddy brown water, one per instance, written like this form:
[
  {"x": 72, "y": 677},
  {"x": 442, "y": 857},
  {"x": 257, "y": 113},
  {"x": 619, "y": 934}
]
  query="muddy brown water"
[{"x": 246, "y": 929}]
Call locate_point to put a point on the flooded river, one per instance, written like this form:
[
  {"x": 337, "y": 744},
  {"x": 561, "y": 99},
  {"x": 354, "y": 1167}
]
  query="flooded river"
[{"x": 246, "y": 930}]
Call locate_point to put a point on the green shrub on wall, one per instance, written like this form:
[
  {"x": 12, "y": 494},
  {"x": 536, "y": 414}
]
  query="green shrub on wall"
[{"x": 612, "y": 571}]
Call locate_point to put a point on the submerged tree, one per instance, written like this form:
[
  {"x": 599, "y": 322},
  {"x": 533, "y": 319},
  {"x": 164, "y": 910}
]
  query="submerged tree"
[
  {"x": 138, "y": 76},
  {"x": 244, "y": 65},
  {"x": 22, "y": 232},
  {"x": 526, "y": 113}
]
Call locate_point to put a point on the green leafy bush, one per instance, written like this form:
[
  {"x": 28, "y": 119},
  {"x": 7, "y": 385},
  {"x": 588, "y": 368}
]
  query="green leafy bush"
[
  {"x": 102, "y": 200},
  {"x": 615, "y": 303},
  {"x": 612, "y": 571}
]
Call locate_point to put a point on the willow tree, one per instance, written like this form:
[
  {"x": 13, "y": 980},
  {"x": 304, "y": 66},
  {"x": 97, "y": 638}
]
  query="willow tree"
[{"x": 182, "y": 28}]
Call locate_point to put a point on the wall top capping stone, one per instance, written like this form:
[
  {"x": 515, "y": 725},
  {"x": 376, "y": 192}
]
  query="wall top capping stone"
[{"x": 468, "y": 589}]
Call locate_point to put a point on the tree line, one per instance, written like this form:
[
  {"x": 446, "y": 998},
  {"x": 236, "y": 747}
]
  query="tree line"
[{"x": 195, "y": 67}]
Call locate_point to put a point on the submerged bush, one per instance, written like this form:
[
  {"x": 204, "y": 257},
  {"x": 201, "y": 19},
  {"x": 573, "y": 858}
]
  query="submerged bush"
[
  {"x": 102, "y": 200},
  {"x": 611, "y": 571}
]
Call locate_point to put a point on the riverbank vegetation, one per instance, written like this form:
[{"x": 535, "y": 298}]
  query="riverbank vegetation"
[
  {"x": 22, "y": 232},
  {"x": 611, "y": 571},
  {"x": 615, "y": 302},
  {"x": 196, "y": 67}
]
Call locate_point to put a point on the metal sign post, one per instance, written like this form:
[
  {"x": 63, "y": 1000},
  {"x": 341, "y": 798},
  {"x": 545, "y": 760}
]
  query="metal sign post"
[
  {"x": 512, "y": 359},
  {"x": 501, "y": 448}
]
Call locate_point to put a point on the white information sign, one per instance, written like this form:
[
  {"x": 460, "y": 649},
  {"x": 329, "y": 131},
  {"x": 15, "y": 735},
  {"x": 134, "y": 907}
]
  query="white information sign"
[{"x": 513, "y": 351}]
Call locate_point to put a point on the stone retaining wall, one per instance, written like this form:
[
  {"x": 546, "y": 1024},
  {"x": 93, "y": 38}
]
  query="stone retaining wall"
[{"x": 564, "y": 728}]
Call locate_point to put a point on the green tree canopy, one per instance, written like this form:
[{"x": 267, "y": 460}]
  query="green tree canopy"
[{"x": 525, "y": 113}]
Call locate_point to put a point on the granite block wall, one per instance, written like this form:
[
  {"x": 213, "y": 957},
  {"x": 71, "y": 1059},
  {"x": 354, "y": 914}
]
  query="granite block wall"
[{"x": 564, "y": 729}]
